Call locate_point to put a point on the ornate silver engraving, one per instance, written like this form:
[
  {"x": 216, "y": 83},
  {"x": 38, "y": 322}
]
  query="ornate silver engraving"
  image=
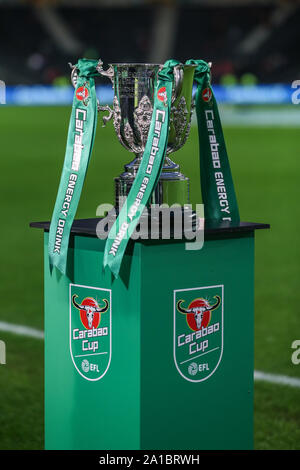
[
  {"x": 129, "y": 136},
  {"x": 188, "y": 127},
  {"x": 143, "y": 115},
  {"x": 117, "y": 121},
  {"x": 179, "y": 116},
  {"x": 117, "y": 116}
]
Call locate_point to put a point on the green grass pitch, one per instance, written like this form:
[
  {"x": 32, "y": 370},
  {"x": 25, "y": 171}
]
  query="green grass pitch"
[{"x": 265, "y": 167}]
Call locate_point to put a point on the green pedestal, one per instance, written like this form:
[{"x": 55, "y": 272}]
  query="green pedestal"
[{"x": 145, "y": 374}]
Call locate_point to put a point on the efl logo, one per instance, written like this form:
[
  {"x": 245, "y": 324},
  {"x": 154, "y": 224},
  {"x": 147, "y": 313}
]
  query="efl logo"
[
  {"x": 162, "y": 94},
  {"x": 82, "y": 93},
  {"x": 198, "y": 331},
  {"x": 206, "y": 95}
]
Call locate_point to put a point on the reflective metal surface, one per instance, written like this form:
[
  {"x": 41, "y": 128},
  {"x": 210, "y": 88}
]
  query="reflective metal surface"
[{"x": 134, "y": 86}]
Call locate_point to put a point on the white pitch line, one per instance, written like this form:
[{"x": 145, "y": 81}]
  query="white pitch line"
[
  {"x": 21, "y": 330},
  {"x": 277, "y": 379},
  {"x": 258, "y": 375}
]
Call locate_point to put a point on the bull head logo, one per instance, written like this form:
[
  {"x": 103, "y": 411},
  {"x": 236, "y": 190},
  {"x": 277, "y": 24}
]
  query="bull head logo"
[
  {"x": 197, "y": 308},
  {"x": 90, "y": 307}
]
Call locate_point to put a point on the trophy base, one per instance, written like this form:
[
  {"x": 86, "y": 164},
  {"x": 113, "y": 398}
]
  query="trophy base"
[{"x": 172, "y": 187}]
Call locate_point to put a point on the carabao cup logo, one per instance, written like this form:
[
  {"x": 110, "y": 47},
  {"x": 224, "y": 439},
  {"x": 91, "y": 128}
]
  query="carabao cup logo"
[
  {"x": 82, "y": 93},
  {"x": 206, "y": 94},
  {"x": 162, "y": 94},
  {"x": 198, "y": 331},
  {"x": 90, "y": 330}
]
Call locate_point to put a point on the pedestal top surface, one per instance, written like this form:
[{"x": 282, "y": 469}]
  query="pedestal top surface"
[{"x": 88, "y": 227}]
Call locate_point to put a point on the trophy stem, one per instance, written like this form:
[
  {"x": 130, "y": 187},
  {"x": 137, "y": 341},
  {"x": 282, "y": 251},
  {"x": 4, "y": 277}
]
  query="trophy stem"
[
  {"x": 132, "y": 167},
  {"x": 172, "y": 187}
]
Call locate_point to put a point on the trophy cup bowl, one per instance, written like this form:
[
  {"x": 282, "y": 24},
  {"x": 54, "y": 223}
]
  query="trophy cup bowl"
[{"x": 134, "y": 86}]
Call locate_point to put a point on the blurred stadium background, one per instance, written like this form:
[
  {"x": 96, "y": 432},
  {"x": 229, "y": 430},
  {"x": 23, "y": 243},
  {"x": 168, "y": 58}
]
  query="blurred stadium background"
[{"x": 253, "y": 46}]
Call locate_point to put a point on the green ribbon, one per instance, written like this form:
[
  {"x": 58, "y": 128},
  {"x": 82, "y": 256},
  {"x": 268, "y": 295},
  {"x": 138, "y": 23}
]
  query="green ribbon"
[
  {"x": 148, "y": 172},
  {"x": 80, "y": 141},
  {"x": 218, "y": 194}
]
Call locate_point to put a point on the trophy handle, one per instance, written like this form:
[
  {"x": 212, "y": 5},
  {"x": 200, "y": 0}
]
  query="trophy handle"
[
  {"x": 110, "y": 111},
  {"x": 110, "y": 74},
  {"x": 105, "y": 73},
  {"x": 74, "y": 74}
]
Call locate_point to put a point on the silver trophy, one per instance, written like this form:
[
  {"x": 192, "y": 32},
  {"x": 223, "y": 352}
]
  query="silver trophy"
[{"x": 134, "y": 86}]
